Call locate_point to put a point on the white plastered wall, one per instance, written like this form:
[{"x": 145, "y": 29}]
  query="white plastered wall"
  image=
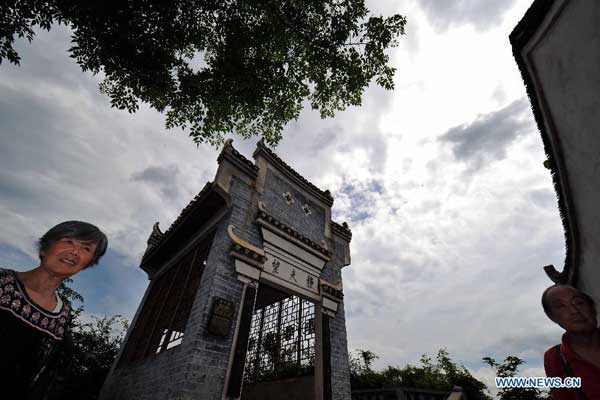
[{"x": 563, "y": 59}]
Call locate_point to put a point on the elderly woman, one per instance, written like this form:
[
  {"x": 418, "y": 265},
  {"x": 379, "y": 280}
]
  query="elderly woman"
[
  {"x": 34, "y": 320},
  {"x": 579, "y": 353}
]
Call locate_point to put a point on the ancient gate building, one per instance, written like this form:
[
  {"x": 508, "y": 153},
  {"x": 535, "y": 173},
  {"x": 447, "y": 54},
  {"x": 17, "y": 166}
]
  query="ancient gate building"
[{"x": 245, "y": 297}]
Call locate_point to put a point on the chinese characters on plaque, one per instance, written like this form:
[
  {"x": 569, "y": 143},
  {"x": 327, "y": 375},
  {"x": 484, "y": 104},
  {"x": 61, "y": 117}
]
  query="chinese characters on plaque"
[{"x": 290, "y": 273}]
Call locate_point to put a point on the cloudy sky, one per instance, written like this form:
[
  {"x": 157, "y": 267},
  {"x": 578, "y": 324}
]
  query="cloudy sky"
[{"x": 452, "y": 212}]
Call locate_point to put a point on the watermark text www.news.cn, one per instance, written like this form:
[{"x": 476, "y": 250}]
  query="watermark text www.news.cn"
[{"x": 539, "y": 382}]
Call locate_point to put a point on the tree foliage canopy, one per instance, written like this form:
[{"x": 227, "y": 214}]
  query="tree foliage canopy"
[
  {"x": 441, "y": 373},
  {"x": 93, "y": 347},
  {"x": 214, "y": 67}
]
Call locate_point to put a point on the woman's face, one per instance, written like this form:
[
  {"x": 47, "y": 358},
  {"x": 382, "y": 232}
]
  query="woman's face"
[{"x": 67, "y": 256}]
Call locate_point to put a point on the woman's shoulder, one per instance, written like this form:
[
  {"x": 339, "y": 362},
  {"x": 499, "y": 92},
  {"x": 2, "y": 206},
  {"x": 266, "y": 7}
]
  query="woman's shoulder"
[
  {"x": 8, "y": 277},
  {"x": 7, "y": 280},
  {"x": 5, "y": 272},
  {"x": 552, "y": 354},
  {"x": 552, "y": 361},
  {"x": 14, "y": 300}
]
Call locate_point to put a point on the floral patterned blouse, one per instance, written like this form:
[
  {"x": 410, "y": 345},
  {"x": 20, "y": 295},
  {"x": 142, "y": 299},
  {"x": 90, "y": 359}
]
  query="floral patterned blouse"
[{"x": 31, "y": 339}]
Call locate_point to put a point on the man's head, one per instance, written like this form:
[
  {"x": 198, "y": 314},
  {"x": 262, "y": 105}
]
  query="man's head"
[
  {"x": 81, "y": 233},
  {"x": 570, "y": 308}
]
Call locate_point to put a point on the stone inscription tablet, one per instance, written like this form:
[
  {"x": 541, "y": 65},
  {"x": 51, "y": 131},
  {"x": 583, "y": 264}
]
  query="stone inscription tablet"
[
  {"x": 221, "y": 316},
  {"x": 292, "y": 275}
]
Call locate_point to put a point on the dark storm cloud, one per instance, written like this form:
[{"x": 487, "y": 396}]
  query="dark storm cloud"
[
  {"x": 487, "y": 138},
  {"x": 165, "y": 178},
  {"x": 20, "y": 112},
  {"x": 53, "y": 64},
  {"x": 66, "y": 154},
  {"x": 32, "y": 128},
  {"x": 12, "y": 257},
  {"x": 483, "y": 15},
  {"x": 40, "y": 148}
]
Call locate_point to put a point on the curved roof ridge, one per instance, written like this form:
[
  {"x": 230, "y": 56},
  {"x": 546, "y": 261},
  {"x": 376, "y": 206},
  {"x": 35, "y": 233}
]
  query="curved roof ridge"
[
  {"x": 261, "y": 148},
  {"x": 158, "y": 237},
  {"x": 230, "y": 153}
]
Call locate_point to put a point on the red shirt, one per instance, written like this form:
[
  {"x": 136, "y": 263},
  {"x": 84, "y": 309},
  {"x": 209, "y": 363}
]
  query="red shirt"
[{"x": 589, "y": 373}]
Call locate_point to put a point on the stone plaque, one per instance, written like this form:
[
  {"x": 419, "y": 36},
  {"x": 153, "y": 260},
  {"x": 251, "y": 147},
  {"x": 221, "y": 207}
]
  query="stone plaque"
[
  {"x": 221, "y": 315},
  {"x": 290, "y": 275}
]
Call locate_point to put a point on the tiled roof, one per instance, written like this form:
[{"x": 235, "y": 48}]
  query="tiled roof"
[
  {"x": 182, "y": 215},
  {"x": 235, "y": 157},
  {"x": 343, "y": 230},
  {"x": 245, "y": 251},
  {"x": 323, "y": 195},
  {"x": 292, "y": 232},
  {"x": 154, "y": 239},
  {"x": 156, "y": 235}
]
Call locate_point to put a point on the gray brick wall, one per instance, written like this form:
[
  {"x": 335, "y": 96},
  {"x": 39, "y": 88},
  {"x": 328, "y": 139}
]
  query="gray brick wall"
[
  {"x": 205, "y": 377},
  {"x": 340, "y": 369},
  {"x": 207, "y": 355},
  {"x": 244, "y": 212},
  {"x": 332, "y": 270},
  {"x": 145, "y": 381},
  {"x": 312, "y": 226}
]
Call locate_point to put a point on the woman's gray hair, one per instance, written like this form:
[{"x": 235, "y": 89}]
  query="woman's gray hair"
[{"x": 75, "y": 230}]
